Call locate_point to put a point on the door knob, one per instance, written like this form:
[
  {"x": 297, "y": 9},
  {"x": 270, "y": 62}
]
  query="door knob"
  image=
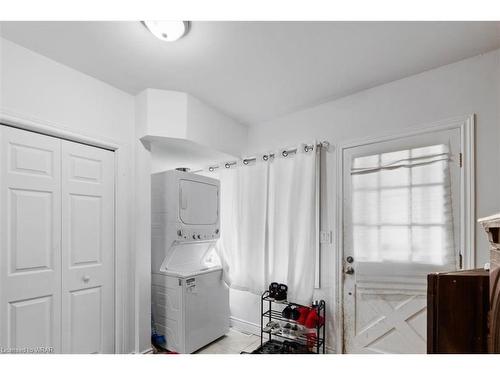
[
  {"x": 349, "y": 270},
  {"x": 86, "y": 278}
]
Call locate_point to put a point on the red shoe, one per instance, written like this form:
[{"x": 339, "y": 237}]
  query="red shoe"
[
  {"x": 304, "y": 312},
  {"x": 312, "y": 319}
]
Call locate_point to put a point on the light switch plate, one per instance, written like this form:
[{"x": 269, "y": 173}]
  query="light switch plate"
[{"x": 325, "y": 236}]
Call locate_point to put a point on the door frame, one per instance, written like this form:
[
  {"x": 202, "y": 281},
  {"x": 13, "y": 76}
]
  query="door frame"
[
  {"x": 466, "y": 125},
  {"x": 45, "y": 128}
]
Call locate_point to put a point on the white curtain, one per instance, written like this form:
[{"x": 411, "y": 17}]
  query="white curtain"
[
  {"x": 402, "y": 209},
  {"x": 292, "y": 223},
  {"x": 243, "y": 244},
  {"x": 268, "y": 223}
]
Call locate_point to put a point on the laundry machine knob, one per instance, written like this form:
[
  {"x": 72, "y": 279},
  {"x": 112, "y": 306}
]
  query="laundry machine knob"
[
  {"x": 194, "y": 236},
  {"x": 199, "y": 237}
]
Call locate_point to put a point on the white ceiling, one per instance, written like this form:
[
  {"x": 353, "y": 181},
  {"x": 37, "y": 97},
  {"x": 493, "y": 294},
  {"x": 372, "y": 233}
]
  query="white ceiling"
[{"x": 256, "y": 71}]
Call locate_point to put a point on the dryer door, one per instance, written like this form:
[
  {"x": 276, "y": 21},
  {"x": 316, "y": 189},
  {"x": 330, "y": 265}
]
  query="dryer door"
[{"x": 199, "y": 202}]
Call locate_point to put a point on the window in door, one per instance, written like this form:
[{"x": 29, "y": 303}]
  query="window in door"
[{"x": 402, "y": 208}]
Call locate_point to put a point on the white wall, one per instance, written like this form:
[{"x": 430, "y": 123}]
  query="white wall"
[
  {"x": 209, "y": 127},
  {"x": 35, "y": 87},
  {"x": 469, "y": 86},
  {"x": 175, "y": 114},
  {"x": 164, "y": 113},
  {"x": 182, "y": 131},
  {"x": 142, "y": 216}
]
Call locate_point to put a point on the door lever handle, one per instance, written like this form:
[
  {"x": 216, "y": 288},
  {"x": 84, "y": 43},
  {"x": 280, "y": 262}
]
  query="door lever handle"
[{"x": 349, "y": 270}]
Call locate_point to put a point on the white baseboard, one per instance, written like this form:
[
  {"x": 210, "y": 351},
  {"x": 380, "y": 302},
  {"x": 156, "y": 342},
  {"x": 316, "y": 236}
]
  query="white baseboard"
[{"x": 245, "y": 326}]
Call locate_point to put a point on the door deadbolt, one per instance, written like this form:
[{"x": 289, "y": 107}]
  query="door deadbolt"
[{"x": 349, "y": 259}]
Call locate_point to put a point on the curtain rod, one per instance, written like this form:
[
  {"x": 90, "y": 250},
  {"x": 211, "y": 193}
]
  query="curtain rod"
[{"x": 265, "y": 157}]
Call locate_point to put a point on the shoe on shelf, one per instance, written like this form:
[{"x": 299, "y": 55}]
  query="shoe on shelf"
[
  {"x": 297, "y": 331},
  {"x": 314, "y": 320},
  {"x": 303, "y": 313},
  {"x": 276, "y": 330},
  {"x": 287, "y": 312},
  {"x": 270, "y": 326},
  {"x": 295, "y": 314},
  {"x": 285, "y": 330},
  {"x": 281, "y": 293},
  {"x": 273, "y": 290},
  {"x": 290, "y": 331}
]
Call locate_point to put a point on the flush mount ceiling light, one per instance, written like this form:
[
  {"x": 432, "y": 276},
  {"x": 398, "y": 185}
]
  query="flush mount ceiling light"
[{"x": 167, "y": 31}]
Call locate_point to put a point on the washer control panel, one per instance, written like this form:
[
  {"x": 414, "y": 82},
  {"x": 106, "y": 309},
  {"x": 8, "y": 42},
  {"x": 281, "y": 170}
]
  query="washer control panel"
[{"x": 198, "y": 235}]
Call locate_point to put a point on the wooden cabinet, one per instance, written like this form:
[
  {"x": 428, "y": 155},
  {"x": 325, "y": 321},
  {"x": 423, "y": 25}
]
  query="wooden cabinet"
[
  {"x": 457, "y": 312},
  {"x": 492, "y": 227}
]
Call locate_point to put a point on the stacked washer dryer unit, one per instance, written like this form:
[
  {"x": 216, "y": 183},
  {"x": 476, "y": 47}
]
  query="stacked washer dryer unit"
[{"x": 190, "y": 301}]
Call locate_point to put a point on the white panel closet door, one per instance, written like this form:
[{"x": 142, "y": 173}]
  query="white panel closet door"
[
  {"x": 30, "y": 246},
  {"x": 87, "y": 249}
]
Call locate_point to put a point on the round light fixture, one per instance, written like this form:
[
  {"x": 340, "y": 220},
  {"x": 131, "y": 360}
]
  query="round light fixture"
[{"x": 167, "y": 31}]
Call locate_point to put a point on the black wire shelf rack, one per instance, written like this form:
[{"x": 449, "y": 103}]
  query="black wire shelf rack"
[{"x": 305, "y": 340}]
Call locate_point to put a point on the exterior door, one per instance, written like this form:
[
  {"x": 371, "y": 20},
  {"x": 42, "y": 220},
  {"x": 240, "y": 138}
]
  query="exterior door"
[
  {"x": 401, "y": 209},
  {"x": 30, "y": 242},
  {"x": 87, "y": 249}
]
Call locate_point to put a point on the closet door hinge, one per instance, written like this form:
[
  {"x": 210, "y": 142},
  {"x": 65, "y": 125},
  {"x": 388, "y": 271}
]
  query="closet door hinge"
[{"x": 460, "y": 160}]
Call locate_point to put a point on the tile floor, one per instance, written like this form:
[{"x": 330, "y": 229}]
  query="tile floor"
[{"x": 233, "y": 343}]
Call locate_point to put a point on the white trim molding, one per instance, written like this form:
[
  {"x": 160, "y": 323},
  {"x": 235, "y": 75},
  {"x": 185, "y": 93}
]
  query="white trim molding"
[
  {"x": 244, "y": 326},
  {"x": 16, "y": 120},
  {"x": 466, "y": 125},
  {"x": 468, "y": 192}
]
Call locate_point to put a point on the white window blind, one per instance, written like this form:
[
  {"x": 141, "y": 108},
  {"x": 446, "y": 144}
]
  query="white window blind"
[{"x": 402, "y": 208}]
